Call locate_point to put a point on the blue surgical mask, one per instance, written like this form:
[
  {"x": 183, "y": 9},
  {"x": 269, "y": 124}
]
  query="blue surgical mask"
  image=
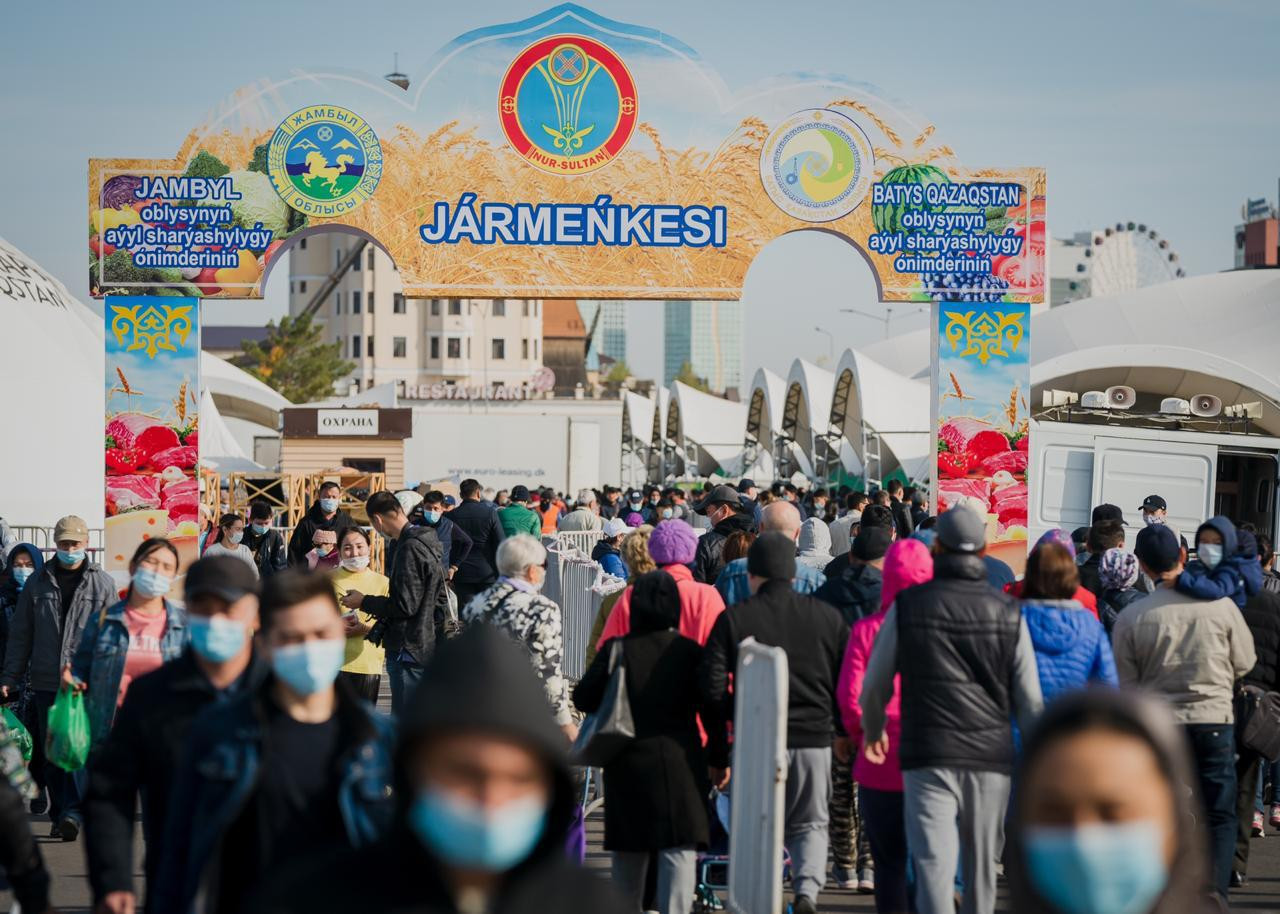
[
  {"x": 235, "y": 538},
  {"x": 328, "y": 505},
  {"x": 310, "y": 666},
  {"x": 20, "y": 576},
  {"x": 667, "y": 513},
  {"x": 151, "y": 583},
  {"x": 260, "y": 529},
  {"x": 1210, "y": 554},
  {"x": 70, "y": 558},
  {"x": 216, "y": 638},
  {"x": 635, "y": 506},
  {"x": 432, "y": 517},
  {"x": 466, "y": 835},
  {"x": 1098, "y": 869}
]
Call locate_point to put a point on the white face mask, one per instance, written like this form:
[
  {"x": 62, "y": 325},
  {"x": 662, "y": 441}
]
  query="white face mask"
[
  {"x": 355, "y": 562},
  {"x": 1153, "y": 520},
  {"x": 1210, "y": 554}
]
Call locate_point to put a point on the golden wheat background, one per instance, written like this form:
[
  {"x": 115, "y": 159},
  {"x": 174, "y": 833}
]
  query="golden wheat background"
[{"x": 420, "y": 170}]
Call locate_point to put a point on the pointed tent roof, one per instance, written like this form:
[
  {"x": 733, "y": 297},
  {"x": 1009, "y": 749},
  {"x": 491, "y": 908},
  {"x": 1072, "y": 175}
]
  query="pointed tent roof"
[
  {"x": 894, "y": 406},
  {"x": 712, "y": 423},
  {"x": 218, "y": 445},
  {"x": 637, "y": 417}
]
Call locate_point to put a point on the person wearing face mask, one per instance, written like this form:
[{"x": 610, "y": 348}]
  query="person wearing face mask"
[
  {"x": 51, "y": 614},
  {"x": 484, "y": 797},
  {"x": 455, "y": 541},
  {"x": 1191, "y": 652},
  {"x": 607, "y": 552},
  {"x": 1155, "y": 510},
  {"x": 304, "y": 764},
  {"x": 142, "y": 752},
  {"x": 1101, "y": 823},
  {"x": 1226, "y": 564},
  {"x": 515, "y": 606},
  {"x": 416, "y": 601},
  {"x": 130, "y": 639},
  {"x": 324, "y": 551},
  {"x": 228, "y": 539},
  {"x": 265, "y": 542},
  {"x": 724, "y": 508},
  {"x": 324, "y": 514},
  {"x": 362, "y": 662},
  {"x": 24, "y": 562}
]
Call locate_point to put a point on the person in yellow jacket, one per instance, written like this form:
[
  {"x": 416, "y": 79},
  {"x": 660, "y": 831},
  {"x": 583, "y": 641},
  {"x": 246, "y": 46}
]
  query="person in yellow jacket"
[{"x": 362, "y": 666}]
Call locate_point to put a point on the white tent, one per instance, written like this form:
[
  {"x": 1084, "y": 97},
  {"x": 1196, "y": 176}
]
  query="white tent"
[
  {"x": 239, "y": 393},
  {"x": 894, "y": 407},
  {"x": 219, "y": 448},
  {"x": 806, "y": 413},
  {"x": 51, "y": 463},
  {"x": 706, "y": 429}
]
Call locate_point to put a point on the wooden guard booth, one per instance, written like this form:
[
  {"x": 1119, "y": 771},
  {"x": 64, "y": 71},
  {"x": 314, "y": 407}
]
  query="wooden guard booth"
[{"x": 363, "y": 439}]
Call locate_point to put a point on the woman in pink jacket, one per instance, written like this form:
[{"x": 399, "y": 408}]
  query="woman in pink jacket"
[
  {"x": 907, "y": 563},
  {"x": 672, "y": 545}
]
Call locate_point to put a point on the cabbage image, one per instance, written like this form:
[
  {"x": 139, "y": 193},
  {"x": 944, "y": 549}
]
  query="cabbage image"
[{"x": 258, "y": 202}]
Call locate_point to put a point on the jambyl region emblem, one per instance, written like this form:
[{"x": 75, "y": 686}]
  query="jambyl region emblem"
[
  {"x": 817, "y": 165},
  {"x": 324, "y": 160},
  {"x": 567, "y": 104}
]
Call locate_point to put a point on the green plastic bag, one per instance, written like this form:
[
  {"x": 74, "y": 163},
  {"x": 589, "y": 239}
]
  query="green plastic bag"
[
  {"x": 17, "y": 733},
  {"x": 67, "y": 744}
]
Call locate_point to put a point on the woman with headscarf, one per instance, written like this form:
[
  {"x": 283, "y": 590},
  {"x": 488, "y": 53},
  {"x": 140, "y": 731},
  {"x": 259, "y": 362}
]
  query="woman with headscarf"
[
  {"x": 906, "y": 564},
  {"x": 23, "y": 563},
  {"x": 1118, "y": 571},
  {"x": 814, "y": 544},
  {"x": 1104, "y": 823},
  {"x": 1082, "y": 596},
  {"x": 655, "y": 789}
]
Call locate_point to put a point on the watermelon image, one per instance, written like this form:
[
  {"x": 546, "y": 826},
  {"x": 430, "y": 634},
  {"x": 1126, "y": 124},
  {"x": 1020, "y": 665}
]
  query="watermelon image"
[{"x": 888, "y": 216}]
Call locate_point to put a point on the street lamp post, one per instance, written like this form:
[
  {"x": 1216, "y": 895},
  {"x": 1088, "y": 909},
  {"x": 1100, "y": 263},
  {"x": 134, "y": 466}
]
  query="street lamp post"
[{"x": 831, "y": 343}]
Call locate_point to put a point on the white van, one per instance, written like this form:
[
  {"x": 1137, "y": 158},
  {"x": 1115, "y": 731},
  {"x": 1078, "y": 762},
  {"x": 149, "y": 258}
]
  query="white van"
[{"x": 1075, "y": 466}]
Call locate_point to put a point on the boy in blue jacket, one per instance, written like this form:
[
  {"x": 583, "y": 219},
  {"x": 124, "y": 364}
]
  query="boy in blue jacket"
[{"x": 1226, "y": 564}]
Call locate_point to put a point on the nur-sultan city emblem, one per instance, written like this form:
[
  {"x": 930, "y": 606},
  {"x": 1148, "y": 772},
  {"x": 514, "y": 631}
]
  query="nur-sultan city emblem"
[
  {"x": 817, "y": 165},
  {"x": 567, "y": 104},
  {"x": 324, "y": 160}
]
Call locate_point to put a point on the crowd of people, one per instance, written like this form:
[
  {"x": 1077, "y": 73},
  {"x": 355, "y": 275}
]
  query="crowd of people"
[{"x": 1075, "y": 729}]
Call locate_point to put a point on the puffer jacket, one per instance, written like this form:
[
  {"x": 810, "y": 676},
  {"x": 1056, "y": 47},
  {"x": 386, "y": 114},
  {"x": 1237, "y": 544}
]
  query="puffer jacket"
[
  {"x": 38, "y": 634},
  {"x": 814, "y": 545},
  {"x": 1262, "y": 615},
  {"x": 854, "y": 589},
  {"x": 708, "y": 561},
  {"x": 1071, "y": 646},
  {"x": 609, "y": 558},
  {"x": 700, "y": 607},
  {"x": 534, "y": 622}
]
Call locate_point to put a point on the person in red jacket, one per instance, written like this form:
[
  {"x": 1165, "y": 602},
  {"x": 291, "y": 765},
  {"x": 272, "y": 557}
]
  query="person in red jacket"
[{"x": 1062, "y": 538}]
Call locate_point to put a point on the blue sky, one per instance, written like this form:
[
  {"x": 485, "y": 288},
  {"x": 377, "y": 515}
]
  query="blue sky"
[{"x": 1161, "y": 112}]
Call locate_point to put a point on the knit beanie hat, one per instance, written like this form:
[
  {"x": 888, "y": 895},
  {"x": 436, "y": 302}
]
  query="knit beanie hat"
[{"x": 673, "y": 542}]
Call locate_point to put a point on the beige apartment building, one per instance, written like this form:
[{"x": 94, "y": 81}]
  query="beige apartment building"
[{"x": 414, "y": 342}]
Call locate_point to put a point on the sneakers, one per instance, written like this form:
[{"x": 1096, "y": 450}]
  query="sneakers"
[
  {"x": 804, "y": 905},
  {"x": 68, "y": 829},
  {"x": 1275, "y": 815},
  {"x": 866, "y": 881},
  {"x": 1257, "y": 830},
  {"x": 1238, "y": 880},
  {"x": 842, "y": 878}
]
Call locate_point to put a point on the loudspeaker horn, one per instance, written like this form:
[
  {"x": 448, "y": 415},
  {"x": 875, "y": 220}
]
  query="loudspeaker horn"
[
  {"x": 1206, "y": 406},
  {"x": 1121, "y": 397}
]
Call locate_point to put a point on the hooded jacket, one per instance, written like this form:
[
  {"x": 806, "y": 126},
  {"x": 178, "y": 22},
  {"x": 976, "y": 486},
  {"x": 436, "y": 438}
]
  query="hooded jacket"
[
  {"x": 700, "y": 607},
  {"x": 9, "y": 590},
  {"x": 1072, "y": 648},
  {"x": 479, "y": 681},
  {"x": 609, "y": 558},
  {"x": 416, "y": 591},
  {"x": 1237, "y": 577},
  {"x": 854, "y": 590},
  {"x": 313, "y": 520},
  {"x": 39, "y": 636},
  {"x": 708, "y": 561},
  {"x": 814, "y": 545}
]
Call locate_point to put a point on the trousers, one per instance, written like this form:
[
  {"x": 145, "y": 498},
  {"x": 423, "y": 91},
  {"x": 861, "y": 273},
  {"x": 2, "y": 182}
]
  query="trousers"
[
  {"x": 677, "y": 878},
  {"x": 805, "y": 804},
  {"x": 1213, "y": 748},
  {"x": 404, "y": 678},
  {"x": 940, "y": 805},
  {"x": 885, "y": 828},
  {"x": 850, "y": 850}
]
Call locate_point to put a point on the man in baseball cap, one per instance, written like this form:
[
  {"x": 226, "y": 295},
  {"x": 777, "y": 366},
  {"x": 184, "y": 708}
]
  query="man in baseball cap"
[
  {"x": 725, "y": 510},
  {"x": 142, "y": 753},
  {"x": 1155, "y": 510},
  {"x": 518, "y": 517}
]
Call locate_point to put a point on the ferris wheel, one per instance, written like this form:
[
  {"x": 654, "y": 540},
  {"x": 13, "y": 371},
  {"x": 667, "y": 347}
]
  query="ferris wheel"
[{"x": 1119, "y": 258}]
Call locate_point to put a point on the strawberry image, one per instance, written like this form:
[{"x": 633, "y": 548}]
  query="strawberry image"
[
  {"x": 123, "y": 459},
  {"x": 954, "y": 465}
]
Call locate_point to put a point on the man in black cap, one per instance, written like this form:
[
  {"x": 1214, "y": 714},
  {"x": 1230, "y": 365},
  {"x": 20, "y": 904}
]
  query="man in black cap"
[
  {"x": 1106, "y": 512},
  {"x": 723, "y": 507},
  {"x": 813, "y": 636},
  {"x": 968, "y": 666},
  {"x": 1155, "y": 510},
  {"x": 484, "y": 798},
  {"x": 140, "y": 756},
  {"x": 1191, "y": 652},
  {"x": 748, "y": 490},
  {"x": 517, "y": 517}
]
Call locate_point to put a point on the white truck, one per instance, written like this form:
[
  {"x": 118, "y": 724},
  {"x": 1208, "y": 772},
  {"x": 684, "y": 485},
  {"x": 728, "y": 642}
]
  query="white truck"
[{"x": 1075, "y": 466}]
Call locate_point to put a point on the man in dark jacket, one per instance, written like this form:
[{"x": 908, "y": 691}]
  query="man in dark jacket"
[
  {"x": 454, "y": 541},
  {"x": 297, "y": 768},
  {"x": 968, "y": 666},
  {"x": 901, "y": 510},
  {"x": 855, "y": 588},
  {"x": 1103, "y": 535},
  {"x": 480, "y": 522},
  {"x": 416, "y": 598},
  {"x": 813, "y": 636},
  {"x": 484, "y": 799},
  {"x": 141, "y": 754},
  {"x": 1262, "y": 615},
  {"x": 264, "y": 541},
  {"x": 919, "y": 500},
  {"x": 724, "y": 508},
  {"x": 43, "y": 635},
  {"x": 322, "y": 515}
]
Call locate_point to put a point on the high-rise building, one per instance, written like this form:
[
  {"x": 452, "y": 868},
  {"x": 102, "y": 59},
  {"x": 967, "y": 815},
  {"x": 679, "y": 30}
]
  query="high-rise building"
[
  {"x": 610, "y": 336},
  {"x": 415, "y": 341},
  {"x": 708, "y": 336},
  {"x": 1257, "y": 239}
]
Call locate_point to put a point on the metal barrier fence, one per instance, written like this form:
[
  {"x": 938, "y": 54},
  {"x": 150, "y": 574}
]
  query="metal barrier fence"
[
  {"x": 584, "y": 540},
  {"x": 578, "y": 586},
  {"x": 42, "y": 538}
]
